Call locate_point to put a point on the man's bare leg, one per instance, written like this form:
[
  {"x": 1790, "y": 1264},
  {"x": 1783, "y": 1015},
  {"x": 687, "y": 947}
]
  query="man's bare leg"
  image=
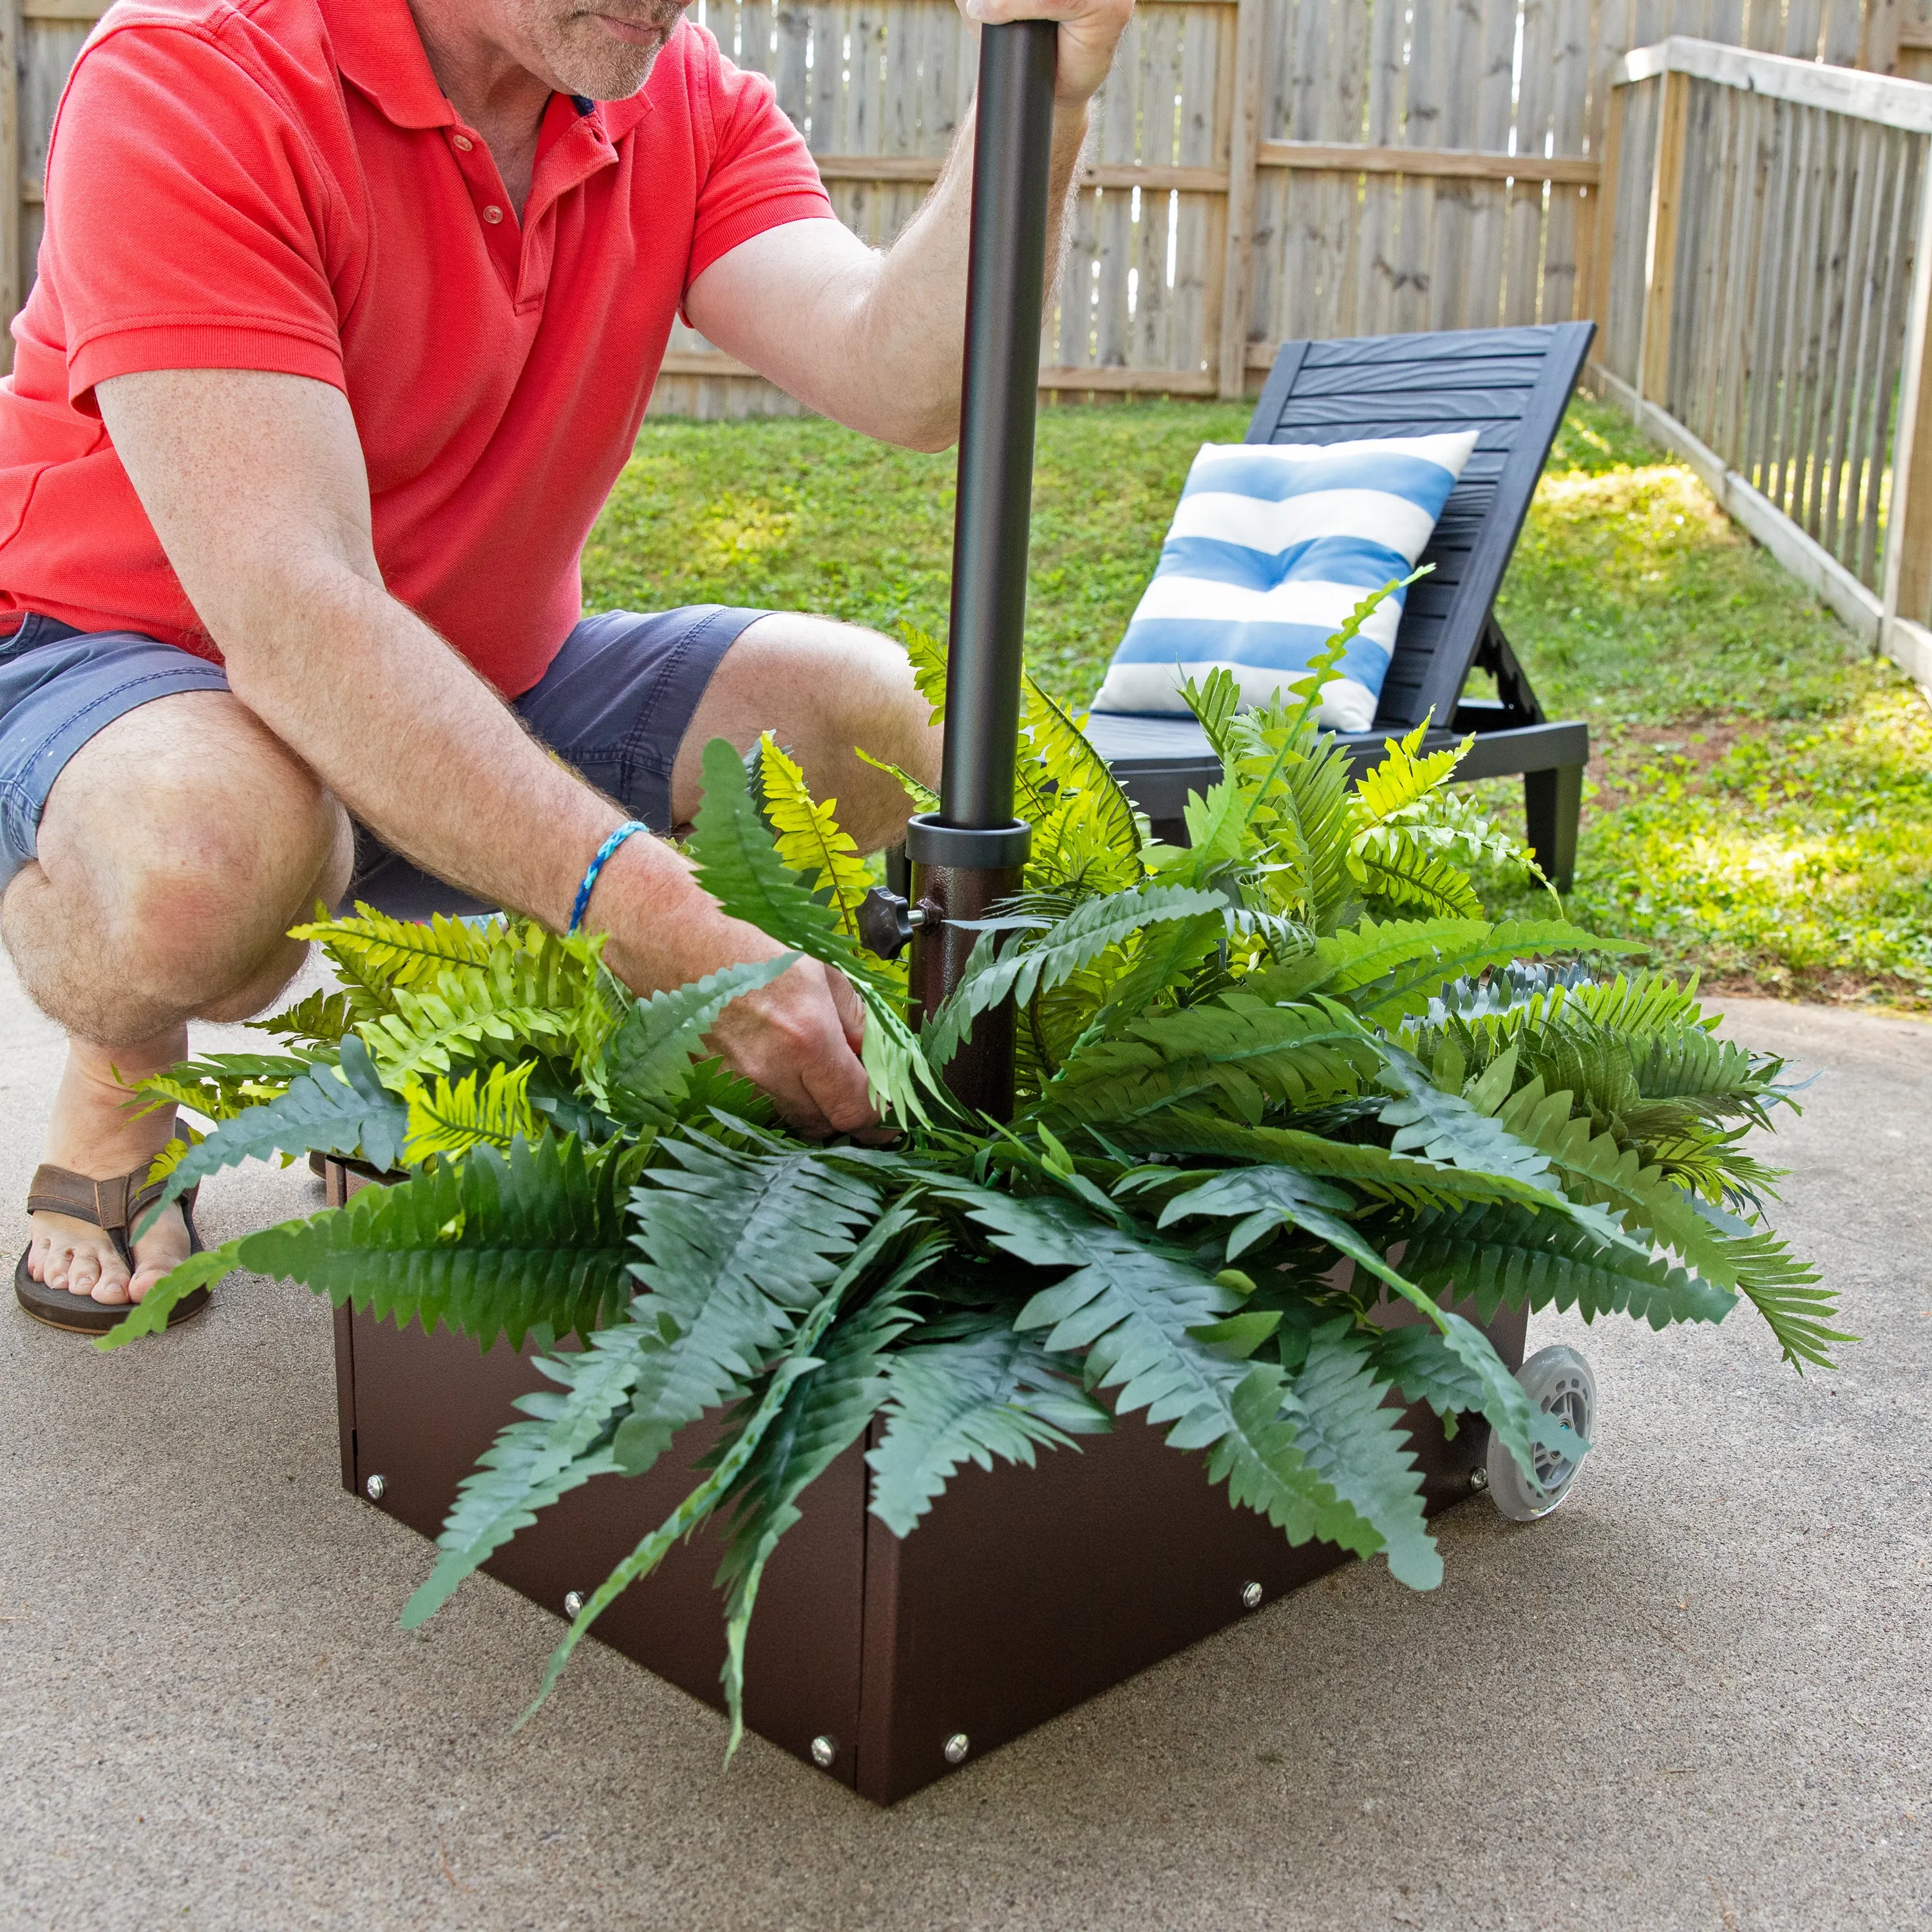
[
  {"x": 178, "y": 846},
  {"x": 823, "y": 687}
]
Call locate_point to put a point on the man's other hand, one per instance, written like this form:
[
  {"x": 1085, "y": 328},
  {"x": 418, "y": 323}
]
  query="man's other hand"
[{"x": 1089, "y": 30}]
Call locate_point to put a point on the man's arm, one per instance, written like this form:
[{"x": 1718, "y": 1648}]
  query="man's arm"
[
  {"x": 255, "y": 485},
  {"x": 872, "y": 339}
]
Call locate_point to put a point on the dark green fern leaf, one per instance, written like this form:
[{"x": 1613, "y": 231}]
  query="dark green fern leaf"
[
  {"x": 1507, "y": 1255},
  {"x": 1236, "y": 1051},
  {"x": 647, "y": 1060},
  {"x": 494, "y": 1245},
  {"x": 973, "y": 1388},
  {"x": 532, "y": 1464},
  {"x": 1020, "y": 972},
  {"x": 735, "y": 1246},
  {"x": 1138, "y": 1308},
  {"x": 348, "y": 1111},
  {"x": 1356, "y": 1443}
]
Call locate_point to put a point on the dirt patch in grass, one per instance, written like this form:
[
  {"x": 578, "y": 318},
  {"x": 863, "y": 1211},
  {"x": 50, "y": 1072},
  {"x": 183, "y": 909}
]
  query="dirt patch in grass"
[
  {"x": 1884, "y": 992},
  {"x": 1619, "y": 757}
]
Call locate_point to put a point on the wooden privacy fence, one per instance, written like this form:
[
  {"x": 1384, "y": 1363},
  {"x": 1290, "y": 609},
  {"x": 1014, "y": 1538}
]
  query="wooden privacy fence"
[
  {"x": 1260, "y": 170},
  {"x": 1765, "y": 311}
]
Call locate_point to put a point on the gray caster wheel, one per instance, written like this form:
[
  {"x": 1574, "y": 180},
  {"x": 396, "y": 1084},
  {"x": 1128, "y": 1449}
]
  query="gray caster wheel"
[{"x": 1558, "y": 1382}]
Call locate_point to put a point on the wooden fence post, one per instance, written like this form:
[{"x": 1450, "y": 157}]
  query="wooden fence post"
[
  {"x": 1908, "y": 528},
  {"x": 1660, "y": 264},
  {"x": 11, "y": 158},
  {"x": 1244, "y": 142},
  {"x": 1602, "y": 236}
]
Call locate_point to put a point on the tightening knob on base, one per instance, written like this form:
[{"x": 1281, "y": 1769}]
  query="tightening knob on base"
[{"x": 887, "y": 922}]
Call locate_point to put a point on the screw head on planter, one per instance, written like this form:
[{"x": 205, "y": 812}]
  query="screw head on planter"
[
  {"x": 1251, "y": 1596},
  {"x": 375, "y": 1488},
  {"x": 573, "y": 1602},
  {"x": 957, "y": 1746},
  {"x": 823, "y": 1751}
]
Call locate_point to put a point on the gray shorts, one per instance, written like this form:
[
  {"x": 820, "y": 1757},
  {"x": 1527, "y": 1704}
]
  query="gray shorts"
[{"x": 614, "y": 705}]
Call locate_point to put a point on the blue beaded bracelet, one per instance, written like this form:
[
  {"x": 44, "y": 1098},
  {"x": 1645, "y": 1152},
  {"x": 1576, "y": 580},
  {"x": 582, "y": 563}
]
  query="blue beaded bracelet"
[{"x": 604, "y": 851}]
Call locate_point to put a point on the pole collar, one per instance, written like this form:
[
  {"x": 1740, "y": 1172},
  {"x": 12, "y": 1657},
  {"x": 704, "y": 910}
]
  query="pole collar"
[{"x": 991, "y": 848}]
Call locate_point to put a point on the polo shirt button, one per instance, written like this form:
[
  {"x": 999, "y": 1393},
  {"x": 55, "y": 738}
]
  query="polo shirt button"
[
  {"x": 462, "y": 141},
  {"x": 492, "y": 213}
]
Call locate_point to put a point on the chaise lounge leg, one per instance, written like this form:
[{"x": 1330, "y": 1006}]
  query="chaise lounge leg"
[{"x": 1553, "y": 803}]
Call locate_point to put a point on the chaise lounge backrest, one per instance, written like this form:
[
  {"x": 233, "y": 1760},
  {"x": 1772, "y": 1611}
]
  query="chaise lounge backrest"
[{"x": 1512, "y": 385}]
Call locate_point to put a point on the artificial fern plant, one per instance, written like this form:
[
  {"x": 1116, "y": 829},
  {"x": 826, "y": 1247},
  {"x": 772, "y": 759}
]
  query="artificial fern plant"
[{"x": 1253, "y": 1068}]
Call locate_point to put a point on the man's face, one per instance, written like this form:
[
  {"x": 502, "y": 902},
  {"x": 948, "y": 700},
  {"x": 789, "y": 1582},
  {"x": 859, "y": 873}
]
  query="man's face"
[{"x": 601, "y": 49}]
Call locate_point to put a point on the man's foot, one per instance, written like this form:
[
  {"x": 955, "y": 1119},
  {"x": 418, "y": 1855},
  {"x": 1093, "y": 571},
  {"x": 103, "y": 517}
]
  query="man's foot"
[{"x": 93, "y": 1133}]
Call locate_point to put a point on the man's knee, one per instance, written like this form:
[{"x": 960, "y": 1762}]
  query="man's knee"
[
  {"x": 848, "y": 680},
  {"x": 192, "y": 839}
]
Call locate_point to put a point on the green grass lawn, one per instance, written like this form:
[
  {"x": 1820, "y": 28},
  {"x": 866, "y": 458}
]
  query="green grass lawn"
[{"x": 1760, "y": 804}]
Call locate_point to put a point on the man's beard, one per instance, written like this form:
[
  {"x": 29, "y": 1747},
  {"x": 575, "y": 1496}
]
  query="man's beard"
[{"x": 591, "y": 61}]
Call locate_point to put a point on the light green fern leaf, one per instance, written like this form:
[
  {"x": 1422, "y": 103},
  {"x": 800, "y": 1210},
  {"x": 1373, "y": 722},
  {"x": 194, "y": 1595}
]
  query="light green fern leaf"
[
  {"x": 451, "y": 1117},
  {"x": 809, "y": 840}
]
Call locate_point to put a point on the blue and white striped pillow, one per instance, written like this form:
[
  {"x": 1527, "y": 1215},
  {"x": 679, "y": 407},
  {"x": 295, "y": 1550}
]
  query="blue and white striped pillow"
[{"x": 1270, "y": 548}]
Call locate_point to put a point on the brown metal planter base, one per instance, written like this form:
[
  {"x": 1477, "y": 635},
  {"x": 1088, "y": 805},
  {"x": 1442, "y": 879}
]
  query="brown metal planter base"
[{"x": 1024, "y": 1593}]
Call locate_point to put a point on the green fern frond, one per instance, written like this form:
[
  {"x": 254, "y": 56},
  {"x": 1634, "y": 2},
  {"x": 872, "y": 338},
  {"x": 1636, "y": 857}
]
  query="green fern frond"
[
  {"x": 1406, "y": 776},
  {"x": 532, "y": 990},
  {"x": 1358, "y": 1446},
  {"x": 492, "y": 1245},
  {"x": 1390, "y": 971},
  {"x": 1235, "y": 1051},
  {"x": 733, "y": 1460},
  {"x": 1391, "y": 1177},
  {"x": 929, "y": 667},
  {"x": 1503, "y": 1254},
  {"x": 823, "y": 1414},
  {"x": 647, "y": 1061},
  {"x": 922, "y": 798},
  {"x": 531, "y": 1465},
  {"x": 973, "y": 1388},
  {"x": 1397, "y": 863},
  {"x": 738, "y": 864},
  {"x": 808, "y": 839},
  {"x": 1138, "y": 1308},
  {"x": 1787, "y": 1292},
  {"x": 734, "y": 1247},
  {"x": 342, "y": 1111},
  {"x": 451, "y": 1117},
  {"x": 1214, "y": 704},
  {"x": 1071, "y": 764},
  {"x": 383, "y": 951},
  {"x": 322, "y": 1018},
  {"x": 1021, "y": 973}
]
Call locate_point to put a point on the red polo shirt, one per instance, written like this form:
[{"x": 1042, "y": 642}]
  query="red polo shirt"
[{"x": 280, "y": 184}]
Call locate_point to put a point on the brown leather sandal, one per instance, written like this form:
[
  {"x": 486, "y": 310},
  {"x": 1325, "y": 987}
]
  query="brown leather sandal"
[{"x": 114, "y": 1207}]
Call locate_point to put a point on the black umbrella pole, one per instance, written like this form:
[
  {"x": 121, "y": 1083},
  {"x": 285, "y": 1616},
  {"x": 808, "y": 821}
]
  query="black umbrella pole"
[{"x": 969, "y": 854}]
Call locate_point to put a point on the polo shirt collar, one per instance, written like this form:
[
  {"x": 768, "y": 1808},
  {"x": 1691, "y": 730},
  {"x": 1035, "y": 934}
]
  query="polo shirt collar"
[{"x": 378, "y": 48}]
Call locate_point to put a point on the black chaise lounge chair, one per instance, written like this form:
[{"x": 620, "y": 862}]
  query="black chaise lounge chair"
[{"x": 1511, "y": 384}]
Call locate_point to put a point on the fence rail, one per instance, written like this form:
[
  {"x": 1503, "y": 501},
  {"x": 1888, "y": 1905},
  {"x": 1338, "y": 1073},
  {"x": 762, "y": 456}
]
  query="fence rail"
[{"x": 1766, "y": 309}]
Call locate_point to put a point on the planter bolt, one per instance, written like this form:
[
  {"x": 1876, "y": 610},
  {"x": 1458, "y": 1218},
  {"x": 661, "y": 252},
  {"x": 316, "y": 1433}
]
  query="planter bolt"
[
  {"x": 1479, "y": 1478},
  {"x": 374, "y": 1489},
  {"x": 573, "y": 1602},
  {"x": 823, "y": 1751},
  {"x": 957, "y": 1746},
  {"x": 1251, "y": 1596}
]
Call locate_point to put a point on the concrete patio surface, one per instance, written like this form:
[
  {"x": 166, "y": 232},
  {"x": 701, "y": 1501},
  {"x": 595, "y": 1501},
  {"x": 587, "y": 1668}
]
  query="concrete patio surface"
[{"x": 1698, "y": 1697}]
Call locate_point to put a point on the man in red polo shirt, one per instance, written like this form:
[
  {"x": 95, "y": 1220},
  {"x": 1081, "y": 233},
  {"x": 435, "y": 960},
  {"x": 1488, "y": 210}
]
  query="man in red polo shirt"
[{"x": 348, "y": 313}]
